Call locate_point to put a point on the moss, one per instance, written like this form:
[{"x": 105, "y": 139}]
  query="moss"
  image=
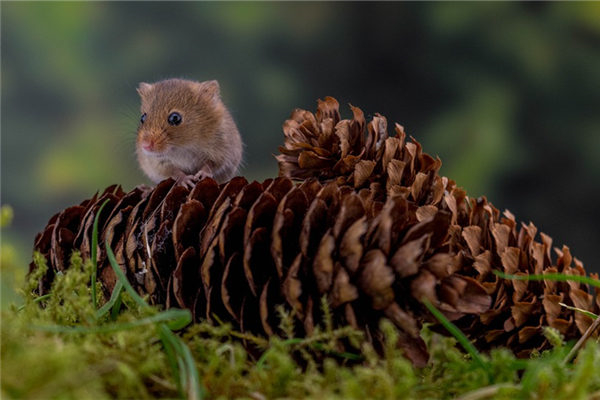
[{"x": 132, "y": 363}]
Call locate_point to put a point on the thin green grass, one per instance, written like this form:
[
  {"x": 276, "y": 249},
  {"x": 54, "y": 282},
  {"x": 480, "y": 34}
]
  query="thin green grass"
[
  {"x": 579, "y": 310},
  {"x": 169, "y": 317},
  {"x": 36, "y": 300},
  {"x": 551, "y": 277},
  {"x": 457, "y": 333},
  {"x": 113, "y": 304},
  {"x": 94, "y": 254},
  {"x": 123, "y": 279}
]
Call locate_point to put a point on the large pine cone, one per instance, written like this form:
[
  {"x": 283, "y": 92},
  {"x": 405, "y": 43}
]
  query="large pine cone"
[{"x": 371, "y": 226}]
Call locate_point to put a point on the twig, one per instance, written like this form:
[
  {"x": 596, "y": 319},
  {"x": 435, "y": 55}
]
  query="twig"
[
  {"x": 487, "y": 391},
  {"x": 163, "y": 383},
  {"x": 582, "y": 340}
]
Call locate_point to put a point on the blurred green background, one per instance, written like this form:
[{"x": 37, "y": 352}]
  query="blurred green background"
[{"x": 507, "y": 94}]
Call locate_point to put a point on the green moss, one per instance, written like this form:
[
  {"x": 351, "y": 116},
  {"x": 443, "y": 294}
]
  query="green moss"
[{"x": 132, "y": 362}]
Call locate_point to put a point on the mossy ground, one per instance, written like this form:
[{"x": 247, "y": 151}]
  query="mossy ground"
[{"x": 39, "y": 361}]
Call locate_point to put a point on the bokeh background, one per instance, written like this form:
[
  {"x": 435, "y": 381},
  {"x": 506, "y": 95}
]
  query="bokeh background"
[{"x": 507, "y": 94}]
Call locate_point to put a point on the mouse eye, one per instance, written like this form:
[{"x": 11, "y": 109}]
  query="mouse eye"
[
  {"x": 143, "y": 118},
  {"x": 174, "y": 118}
]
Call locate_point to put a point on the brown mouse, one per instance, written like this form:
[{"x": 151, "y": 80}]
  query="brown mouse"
[{"x": 186, "y": 132}]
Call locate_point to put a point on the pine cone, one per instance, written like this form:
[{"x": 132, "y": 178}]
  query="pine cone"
[
  {"x": 371, "y": 227},
  {"x": 324, "y": 147}
]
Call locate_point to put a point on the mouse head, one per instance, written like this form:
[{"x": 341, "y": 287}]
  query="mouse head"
[{"x": 176, "y": 113}]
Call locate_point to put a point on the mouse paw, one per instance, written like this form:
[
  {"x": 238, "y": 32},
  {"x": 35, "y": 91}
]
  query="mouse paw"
[
  {"x": 203, "y": 173},
  {"x": 187, "y": 181}
]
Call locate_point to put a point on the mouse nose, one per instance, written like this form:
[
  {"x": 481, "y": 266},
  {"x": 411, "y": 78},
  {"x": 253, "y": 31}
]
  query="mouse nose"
[{"x": 148, "y": 145}]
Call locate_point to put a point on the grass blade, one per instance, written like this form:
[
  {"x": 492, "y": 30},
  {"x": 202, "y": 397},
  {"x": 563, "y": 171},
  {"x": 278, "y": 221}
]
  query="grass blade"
[
  {"x": 116, "y": 293},
  {"x": 41, "y": 298},
  {"x": 165, "y": 316},
  {"x": 551, "y": 277},
  {"x": 182, "y": 321},
  {"x": 114, "y": 312},
  {"x": 123, "y": 279},
  {"x": 175, "y": 359},
  {"x": 36, "y": 300},
  {"x": 170, "y": 351},
  {"x": 195, "y": 390},
  {"x": 457, "y": 333},
  {"x": 585, "y": 312},
  {"x": 189, "y": 377},
  {"x": 95, "y": 252}
]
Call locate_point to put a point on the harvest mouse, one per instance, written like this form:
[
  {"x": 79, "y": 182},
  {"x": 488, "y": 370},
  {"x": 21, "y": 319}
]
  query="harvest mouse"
[{"x": 186, "y": 132}]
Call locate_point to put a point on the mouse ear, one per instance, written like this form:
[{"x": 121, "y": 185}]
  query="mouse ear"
[
  {"x": 144, "y": 88},
  {"x": 209, "y": 89}
]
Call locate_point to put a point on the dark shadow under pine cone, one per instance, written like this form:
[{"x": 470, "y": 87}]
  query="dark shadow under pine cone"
[{"x": 369, "y": 224}]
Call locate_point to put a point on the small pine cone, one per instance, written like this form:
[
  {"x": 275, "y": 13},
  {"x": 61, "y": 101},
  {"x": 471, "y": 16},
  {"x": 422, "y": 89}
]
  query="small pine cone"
[
  {"x": 323, "y": 146},
  {"x": 371, "y": 227},
  {"x": 479, "y": 240}
]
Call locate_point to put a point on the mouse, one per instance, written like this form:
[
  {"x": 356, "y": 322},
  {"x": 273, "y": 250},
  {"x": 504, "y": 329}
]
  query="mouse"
[{"x": 186, "y": 132}]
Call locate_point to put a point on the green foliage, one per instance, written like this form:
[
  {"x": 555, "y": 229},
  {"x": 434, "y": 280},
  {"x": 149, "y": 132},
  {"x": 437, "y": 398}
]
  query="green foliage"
[
  {"x": 131, "y": 361},
  {"x": 6, "y": 216}
]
